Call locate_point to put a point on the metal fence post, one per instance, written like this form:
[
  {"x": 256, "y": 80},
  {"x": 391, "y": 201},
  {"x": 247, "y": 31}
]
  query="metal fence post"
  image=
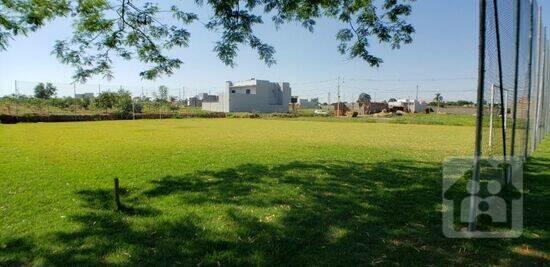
[
  {"x": 479, "y": 121},
  {"x": 530, "y": 78},
  {"x": 516, "y": 78},
  {"x": 540, "y": 85},
  {"x": 540, "y": 56},
  {"x": 500, "y": 78},
  {"x": 501, "y": 85}
]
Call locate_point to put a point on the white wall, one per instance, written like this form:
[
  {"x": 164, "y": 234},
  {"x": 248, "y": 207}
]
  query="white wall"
[{"x": 257, "y": 101}]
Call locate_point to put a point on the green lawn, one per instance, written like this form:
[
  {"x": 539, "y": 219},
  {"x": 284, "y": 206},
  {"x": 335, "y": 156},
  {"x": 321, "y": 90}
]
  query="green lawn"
[
  {"x": 244, "y": 192},
  {"x": 424, "y": 119}
]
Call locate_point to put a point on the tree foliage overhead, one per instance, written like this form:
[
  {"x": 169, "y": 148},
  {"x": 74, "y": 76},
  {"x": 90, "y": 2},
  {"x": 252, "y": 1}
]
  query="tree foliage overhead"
[
  {"x": 104, "y": 29},
  {"x": 19, "y": 17}
]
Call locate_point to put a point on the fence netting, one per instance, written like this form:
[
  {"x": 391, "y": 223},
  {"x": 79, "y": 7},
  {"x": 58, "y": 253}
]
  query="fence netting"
[
  {"x": 513, "y": 102},
  {"x": 516, "y": 72}
]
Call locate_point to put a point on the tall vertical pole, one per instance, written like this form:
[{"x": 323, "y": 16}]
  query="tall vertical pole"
[
  {"x": 530, "y": 79},
  {"x": 479, "y": 120},
  {"x": 491, "y": 115},
  {"x": 74, "y": 94},
  {"x": 547, "y": 104},
  {"x": 500, "y": 77},
  {"x": 542, "y": 89},
  {"x": 505, "y": 110},
  {"x": 437, "y": 100},
  {"x": 338, "y": 104},
  {"x": 540, "y": 71},
  {"x": 417, "y": 93},
  {"x": 343, "y": 94},
  {"x": 540, "y": 56},
  {"x": 16, "y": 98},
  {"x": 516, "y": 78}
]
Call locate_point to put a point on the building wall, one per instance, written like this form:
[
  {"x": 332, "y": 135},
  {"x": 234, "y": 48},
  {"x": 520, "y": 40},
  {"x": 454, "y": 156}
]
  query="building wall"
[
  {"x": 412, "y": 106},
  {"x": 264, "y": 97},
  {"x": 194, "y": 102},
  {"x": 313, "y": 103},
  {"x": 369, "y": 108},
  {"x": 222, "y": 105}
]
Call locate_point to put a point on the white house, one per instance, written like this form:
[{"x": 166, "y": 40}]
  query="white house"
[
  {"x": 252, "y": 96},
  {"x": 313, "y": 103},
  {"x": 412, "y": 106}
]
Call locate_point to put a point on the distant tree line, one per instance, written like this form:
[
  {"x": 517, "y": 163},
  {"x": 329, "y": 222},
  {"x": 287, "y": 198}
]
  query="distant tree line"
[
  {"x": 121, "y": 101},
  {"x": 437, "y": 101}
]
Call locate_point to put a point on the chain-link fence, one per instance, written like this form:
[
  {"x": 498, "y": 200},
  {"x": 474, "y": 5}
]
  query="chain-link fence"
[
  {"x": 513, "y": 97},
  {"x": 513, "y": 89}
]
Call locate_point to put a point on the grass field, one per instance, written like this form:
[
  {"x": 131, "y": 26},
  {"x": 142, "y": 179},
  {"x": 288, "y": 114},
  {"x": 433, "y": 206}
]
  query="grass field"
[
  {"x": 244, "y": 192},
  {"x": 424, "y": 119}
]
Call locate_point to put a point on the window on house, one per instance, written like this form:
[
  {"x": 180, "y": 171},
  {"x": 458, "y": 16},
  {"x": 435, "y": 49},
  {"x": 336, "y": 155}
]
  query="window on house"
[
  {"x": 233, "y": 91},
  {"x": 247, "y": 91}
]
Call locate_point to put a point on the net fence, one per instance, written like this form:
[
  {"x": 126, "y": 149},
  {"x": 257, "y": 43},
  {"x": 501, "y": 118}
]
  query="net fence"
[
  {"x": 514, "y": 85},
  {"x": 513, "y": 102}
]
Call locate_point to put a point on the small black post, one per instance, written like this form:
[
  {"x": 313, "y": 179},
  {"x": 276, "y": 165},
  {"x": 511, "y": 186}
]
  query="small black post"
[{"x": 118, "y": 206}]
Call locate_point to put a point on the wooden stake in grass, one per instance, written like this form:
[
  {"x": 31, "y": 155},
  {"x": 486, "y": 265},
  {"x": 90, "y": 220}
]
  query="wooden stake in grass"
[{"x": 118, "y": 206}]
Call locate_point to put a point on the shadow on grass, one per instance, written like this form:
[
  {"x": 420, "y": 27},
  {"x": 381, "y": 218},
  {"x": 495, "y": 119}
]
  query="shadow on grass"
[{"x": 300, "y": 213}]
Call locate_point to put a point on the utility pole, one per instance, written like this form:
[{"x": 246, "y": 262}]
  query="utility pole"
[
  {"x": 16, "y": 97},
  {"x": 338, "y": 104},
  {"x": 74, "y": 93},
  {"x": 417, "y": 93},
  {"x": 438, "y": 97},
  {"x": 328, "y": 98}
]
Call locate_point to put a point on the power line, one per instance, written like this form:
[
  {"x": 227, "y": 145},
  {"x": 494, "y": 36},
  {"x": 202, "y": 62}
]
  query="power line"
[
  {"x": 314, "y": 82},
  {"x": 413, "y": 80}
]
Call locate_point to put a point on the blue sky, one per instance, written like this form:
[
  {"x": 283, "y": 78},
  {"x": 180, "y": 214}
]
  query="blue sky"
[{"x": 445, "y": 47}]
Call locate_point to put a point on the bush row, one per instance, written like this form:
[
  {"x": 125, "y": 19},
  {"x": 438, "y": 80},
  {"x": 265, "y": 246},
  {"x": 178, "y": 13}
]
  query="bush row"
[{"x": 9, "y": 119}]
